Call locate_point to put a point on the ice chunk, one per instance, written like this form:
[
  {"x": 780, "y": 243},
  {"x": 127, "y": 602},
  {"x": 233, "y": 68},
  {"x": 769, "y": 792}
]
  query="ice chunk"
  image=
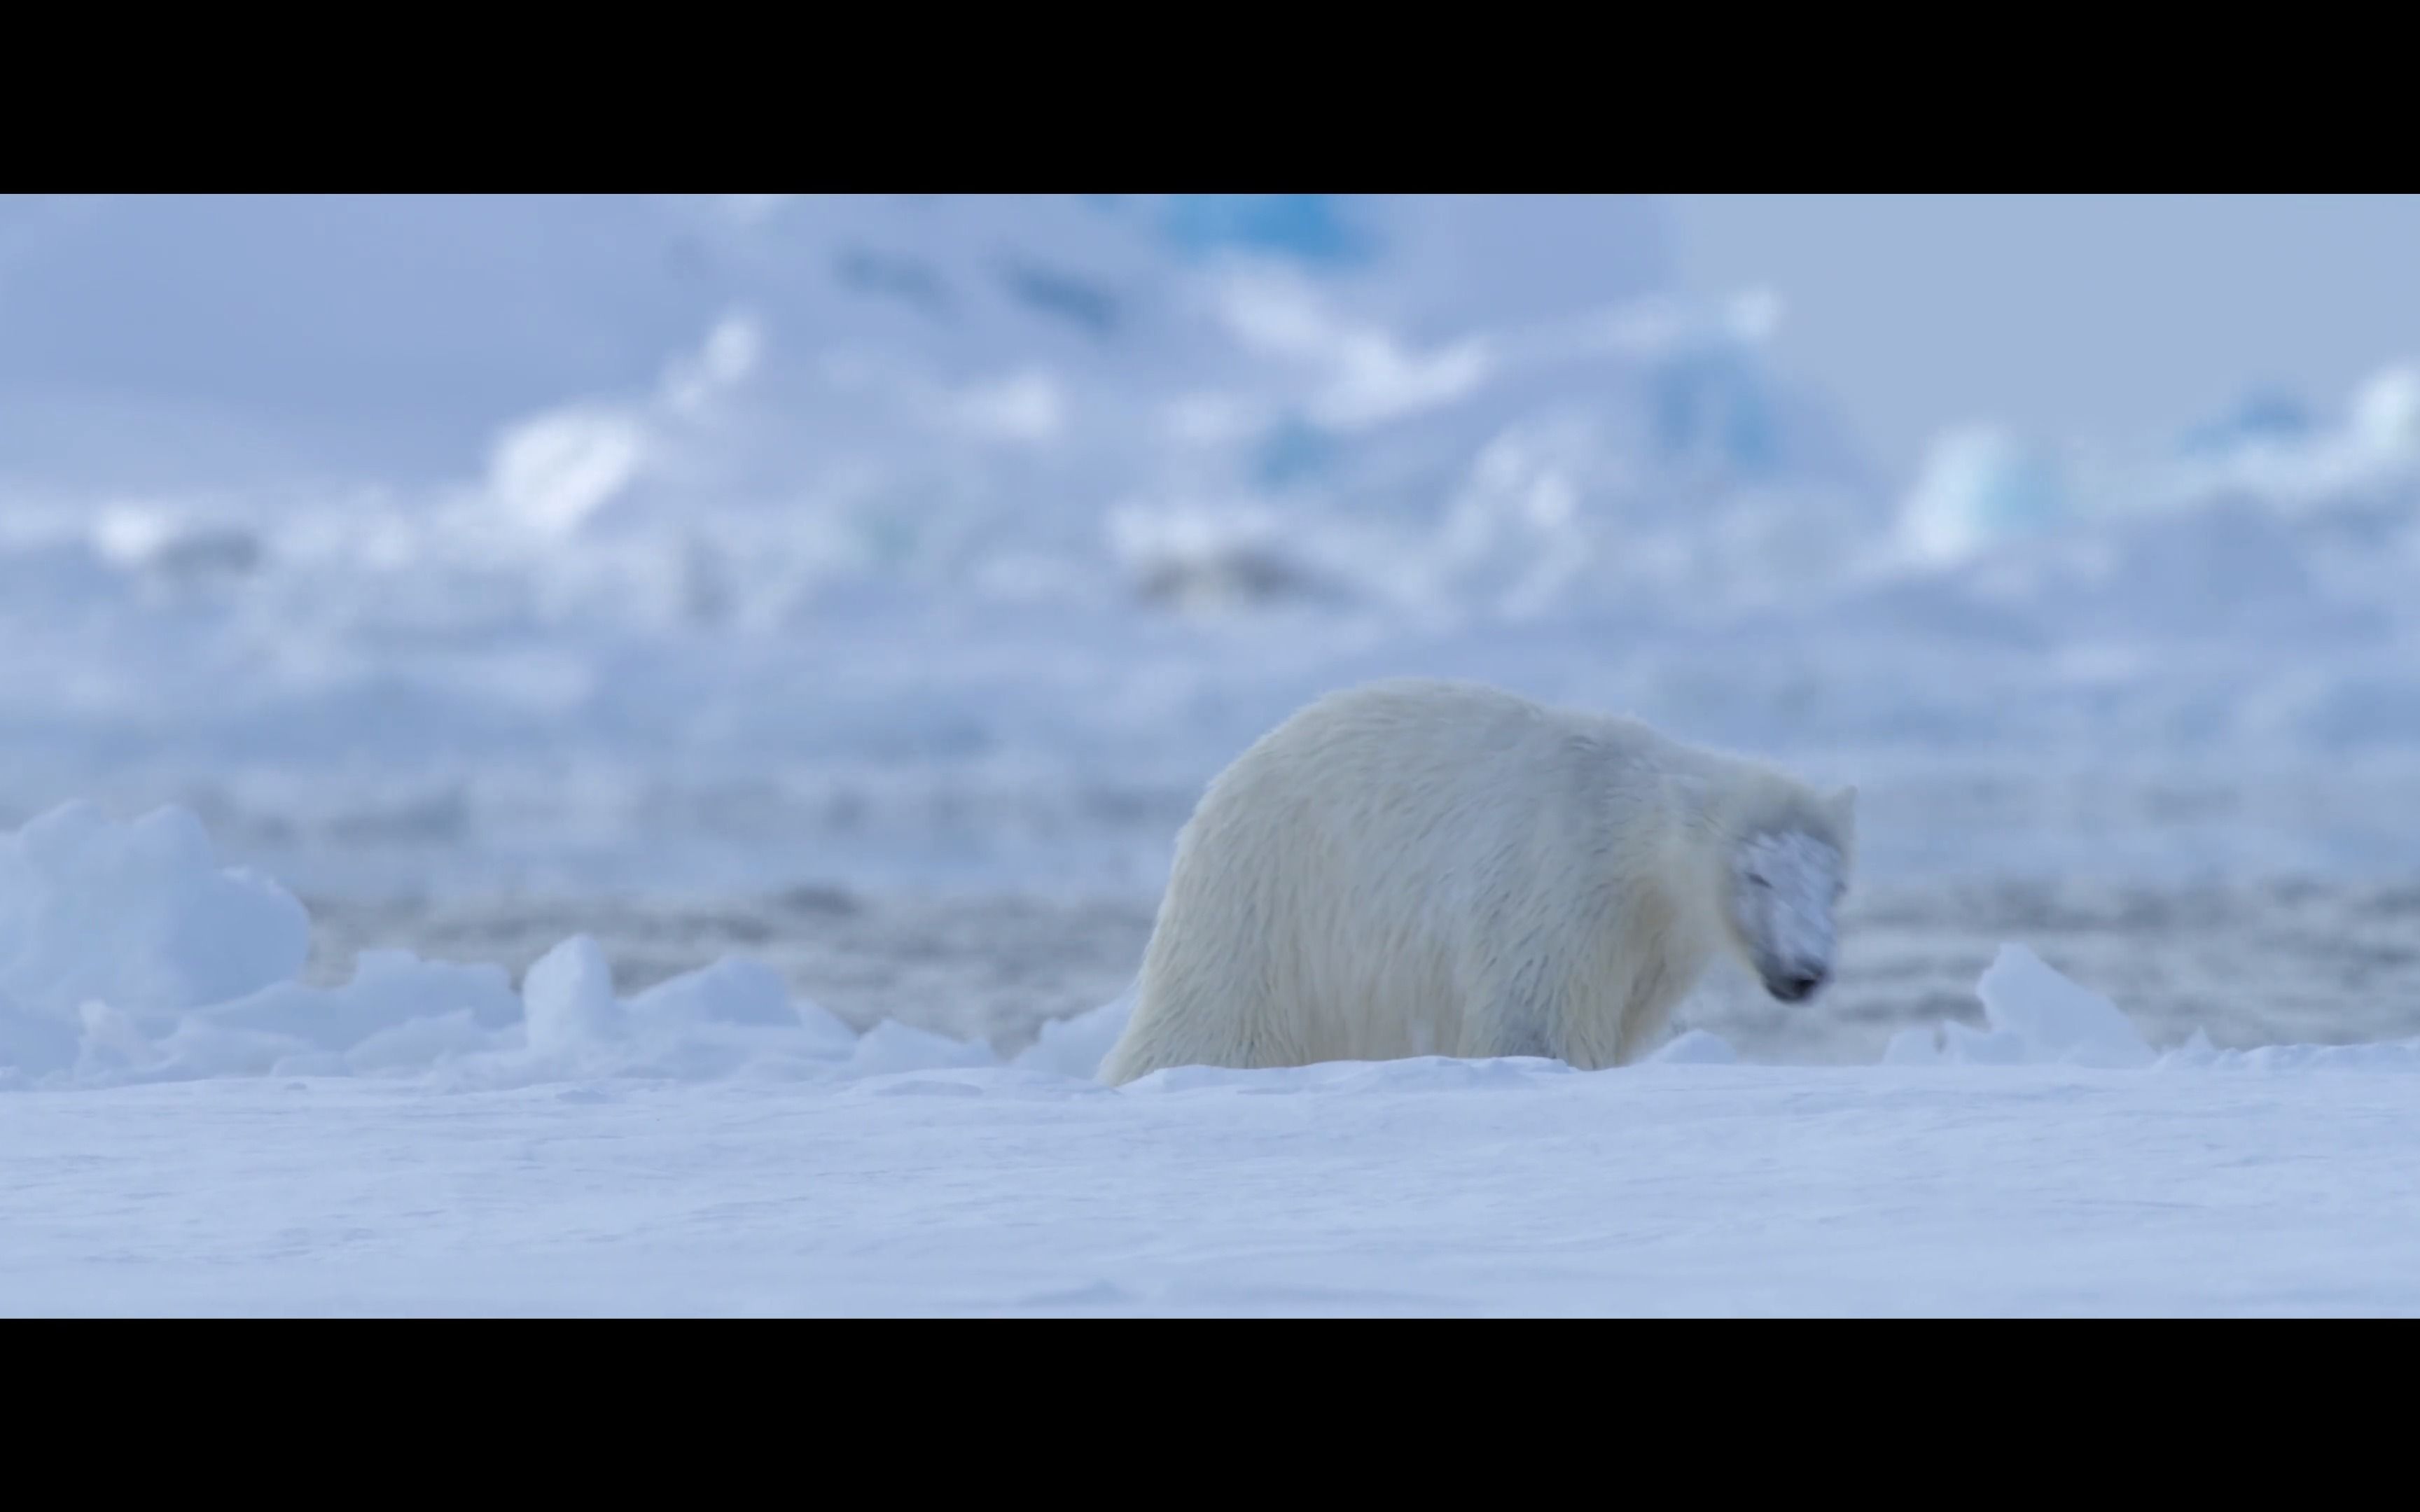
[
  {"x": 893, "y": 1046},
  {"x": 389, "y": 989},
  {"x": 1077, "y": 1046},
  {"x": 2054, "y": 1020},
  {"x": 568, "y": 998},
  {"x": 739, "y": 991},
  {"x": 140, "y": 916}
]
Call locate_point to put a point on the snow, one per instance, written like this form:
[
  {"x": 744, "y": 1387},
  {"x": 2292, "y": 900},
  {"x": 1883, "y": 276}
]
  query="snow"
[
  {"x": 1433, "y": 1191},
  {"x": 425, "y": 1140}
]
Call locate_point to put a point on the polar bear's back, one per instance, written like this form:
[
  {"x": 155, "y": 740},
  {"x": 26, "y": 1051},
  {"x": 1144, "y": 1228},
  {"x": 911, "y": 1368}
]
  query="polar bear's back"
[
  {"x": 1405, "y": 773},
  {"x": 1344, "y": 884}
]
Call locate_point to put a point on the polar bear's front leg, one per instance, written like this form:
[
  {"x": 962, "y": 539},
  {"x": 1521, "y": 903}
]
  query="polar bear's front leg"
[
  {"x": 1647, "y": 1017},
  {"x": 1529, "y": 1014},
  {"x": 1613, "y": 1018}
]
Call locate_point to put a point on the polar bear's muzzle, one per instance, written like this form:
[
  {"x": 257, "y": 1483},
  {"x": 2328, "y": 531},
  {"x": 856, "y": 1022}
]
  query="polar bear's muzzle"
[{"x": 1784, "y": 886}]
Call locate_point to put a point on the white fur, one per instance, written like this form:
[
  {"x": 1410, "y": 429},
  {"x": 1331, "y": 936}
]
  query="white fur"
[{"x": 1429, "y": 868}]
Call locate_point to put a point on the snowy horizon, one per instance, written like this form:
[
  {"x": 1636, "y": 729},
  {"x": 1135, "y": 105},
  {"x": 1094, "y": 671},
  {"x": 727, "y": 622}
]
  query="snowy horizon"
[{"x": 738, "y": 541}]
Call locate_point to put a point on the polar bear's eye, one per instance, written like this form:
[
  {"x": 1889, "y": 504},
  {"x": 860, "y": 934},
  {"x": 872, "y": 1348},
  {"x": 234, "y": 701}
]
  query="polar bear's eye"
[{"x": 1757, "y": 879}]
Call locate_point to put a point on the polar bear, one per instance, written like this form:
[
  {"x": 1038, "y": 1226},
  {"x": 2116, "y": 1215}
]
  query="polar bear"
[{"x": 1418, "y": 867}]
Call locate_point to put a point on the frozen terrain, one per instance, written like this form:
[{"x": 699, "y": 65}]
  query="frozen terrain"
[
  {"x": 194, "y": 1130},
  {"x": 1499, "y": 1190},
  {"x": 683, "y": 545},
  {"x": 2250, "y": 964}
]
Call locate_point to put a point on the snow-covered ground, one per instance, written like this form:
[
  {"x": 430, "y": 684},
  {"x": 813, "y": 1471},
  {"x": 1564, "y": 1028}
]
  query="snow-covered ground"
[
  {"x": 1413, "y": 1190},
  {"x": 192, "y": 1131}
]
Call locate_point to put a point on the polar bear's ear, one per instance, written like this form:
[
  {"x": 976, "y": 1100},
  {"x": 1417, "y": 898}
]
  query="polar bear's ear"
[{"x": 1844, "y": 807}]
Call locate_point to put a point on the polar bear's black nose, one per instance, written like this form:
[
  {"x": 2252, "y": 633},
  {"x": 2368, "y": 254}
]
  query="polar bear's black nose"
[{"x": 1797, "y": 986}]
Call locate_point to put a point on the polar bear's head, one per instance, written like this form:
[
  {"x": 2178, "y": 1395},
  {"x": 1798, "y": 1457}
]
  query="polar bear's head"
[{"x": 1787, "y": 871}]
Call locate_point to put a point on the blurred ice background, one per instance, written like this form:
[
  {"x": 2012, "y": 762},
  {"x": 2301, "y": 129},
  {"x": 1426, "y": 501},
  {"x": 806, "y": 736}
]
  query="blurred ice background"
[{"x": 871, "y": 582}]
